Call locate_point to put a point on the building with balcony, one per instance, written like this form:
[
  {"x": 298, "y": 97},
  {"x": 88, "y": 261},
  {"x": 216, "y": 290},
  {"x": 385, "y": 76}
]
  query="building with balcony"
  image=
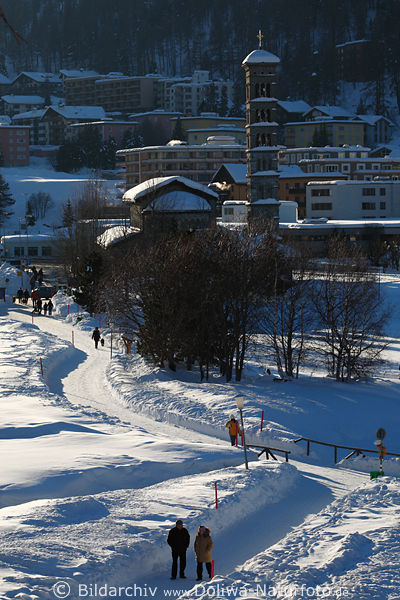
[
  {"x": 14, "y": 145},
  {"x": 195, "y": 162}
]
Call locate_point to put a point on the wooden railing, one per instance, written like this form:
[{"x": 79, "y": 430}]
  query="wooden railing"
[
  {"x": 268, "y": 451},
  {"x": 354, "y": 450}
]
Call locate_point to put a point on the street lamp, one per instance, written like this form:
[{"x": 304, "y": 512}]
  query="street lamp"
[{"x": 240, "y": 405}]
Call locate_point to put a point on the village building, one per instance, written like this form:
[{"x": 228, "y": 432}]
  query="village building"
[
  {"x": 170, "y": 204},
  {"x": 14, "y": 145},
  {"x": 196, "y": 162},
  {"x": 42, "y": 84}
]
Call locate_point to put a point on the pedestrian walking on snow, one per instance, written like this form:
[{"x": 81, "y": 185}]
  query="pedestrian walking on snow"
[
  {"x": 39, "y": 306},
  {"x": 26, "y": 296},
  {"x": 96, "y": 336},
  {"x": 20, "y": 295},
  {"x": 45, "y": 307},
  {"x": 179, "y": 540},
  {"x": 202, "y": 548},
  {"x": 234, "y": 430},
  {"x": 50, "y": 307}
]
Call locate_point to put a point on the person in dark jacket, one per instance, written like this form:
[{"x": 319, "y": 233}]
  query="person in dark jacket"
[
  {"x": 26, "y": 296},
  {"x": 96, "y": 336},
  {"x": 50, "y": 307},
  {"x": 179, "y": 539},
  {"x": 40, "y": 276},
  {"x": 20, "y": 295}
]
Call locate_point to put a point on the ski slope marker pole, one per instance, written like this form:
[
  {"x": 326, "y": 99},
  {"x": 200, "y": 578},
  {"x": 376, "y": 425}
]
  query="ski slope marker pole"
[
  {"x": 216, "y": 495},
  {"x": 73, "y": 340},
  {"x": 32, "y": 318},
  {"x": 68, "y": 309},
  {"x": 262, "y": 420},
  {"x": 212, "y": 569},
  {"x": 41, "y": 366}
]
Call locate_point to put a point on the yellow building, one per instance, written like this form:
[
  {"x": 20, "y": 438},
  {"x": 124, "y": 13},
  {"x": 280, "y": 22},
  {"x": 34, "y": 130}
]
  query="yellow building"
[{"x": 330, "y": 132}]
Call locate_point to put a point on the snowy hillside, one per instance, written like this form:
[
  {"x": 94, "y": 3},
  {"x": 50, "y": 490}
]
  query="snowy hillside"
[
  {"x": 100, "y": 456},
  {"x": 39, "y": 176}
]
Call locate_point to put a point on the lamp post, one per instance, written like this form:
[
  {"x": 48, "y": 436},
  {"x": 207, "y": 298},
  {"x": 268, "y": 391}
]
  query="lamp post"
[{"x": 240, "y": 405}]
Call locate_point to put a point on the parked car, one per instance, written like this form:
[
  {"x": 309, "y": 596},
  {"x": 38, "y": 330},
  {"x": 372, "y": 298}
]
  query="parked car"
[{"x": 45, "y": 291}]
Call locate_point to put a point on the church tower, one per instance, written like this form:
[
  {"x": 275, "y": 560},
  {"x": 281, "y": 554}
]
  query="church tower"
[{"x": 262, "y": 131}]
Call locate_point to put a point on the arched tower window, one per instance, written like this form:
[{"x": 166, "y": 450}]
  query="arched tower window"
[
  {"x": 268, "y": 90},
  {"x": 262, "y": 115},
  {"x": 268, "y": 115},
  {"x": 268, "y": 140},
  {"x": 257, "y": 90}
]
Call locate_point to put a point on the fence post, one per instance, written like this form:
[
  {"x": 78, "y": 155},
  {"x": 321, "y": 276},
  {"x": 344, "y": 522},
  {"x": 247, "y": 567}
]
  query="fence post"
[
  {"x": 308, "y": 447},
  {"x": 216, "y": 495},
  {"x": 212, "y": 569},
  {"x": 262, "y": 420},
  {"x": 41, "y": 366},
  {"x": 335, "y": 455}
]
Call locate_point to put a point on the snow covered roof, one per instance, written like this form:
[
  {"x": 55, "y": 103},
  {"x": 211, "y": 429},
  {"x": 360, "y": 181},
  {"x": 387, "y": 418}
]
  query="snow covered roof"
[
  {"x": 74, "y": 73},
  {"x": 11, "y": 99},
  {"x": 4, "y": 80},
  {"x": 40, "y": 77},
  {"x": 265, "y": 174},
  {"x": 352, "y": 42},
  {"x": 5, "y": 119},
  {"x": 152, "y": 185},
  {"x": 178, "y": 201},
  {"x": 30, "y": 114},
  {"x": 260, "y": 56},
  {"x": 291, "y": 171},
  {"x": 236, "y": 171},
  {"x": 34, "y": 237},
  {"x": 265, "y": 201},
  {"x": 331, "y": 111},
  {"x": 373, "y": 119},
  {"x": 79, "y": 112},
  {"x": 111, "y": 236},
  {"x": 294, "y": 106}
]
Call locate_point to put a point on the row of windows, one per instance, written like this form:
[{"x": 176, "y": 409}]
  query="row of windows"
[
  {"x": 321, "y": 192},
  {"x": 372, "y": 205},
  {"x": 372, "y": 191},
  {"x": 32, "y": 251},
  {"x": 321, "y": 206}
]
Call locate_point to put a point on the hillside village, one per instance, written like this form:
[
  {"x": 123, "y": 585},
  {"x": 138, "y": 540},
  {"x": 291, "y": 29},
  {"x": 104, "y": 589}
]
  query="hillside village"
[{"x": 199, "y": 282}]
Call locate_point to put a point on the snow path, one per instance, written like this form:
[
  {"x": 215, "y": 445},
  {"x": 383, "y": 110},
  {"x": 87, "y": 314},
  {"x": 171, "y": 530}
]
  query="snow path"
[{"x": 81, "y": 380}]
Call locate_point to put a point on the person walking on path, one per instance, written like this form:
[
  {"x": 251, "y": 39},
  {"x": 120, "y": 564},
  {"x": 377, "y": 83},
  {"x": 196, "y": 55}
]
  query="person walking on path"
[
  {"x": 179, "y": 540},
  {"x": 26, "y": 296},
  {"x": 45, "y": 306},
  {"x": 20, "y": 295},
  {"x": 96, "y": 336},
  {"x": 50, "y": 307},
  {"x": 39, "y": 306},
  {"x": 40, "y": 276},
  {"x": 34, "y": 298},
  {"x": 234, "y": 430},
  {"x": 202, "y": 548}
]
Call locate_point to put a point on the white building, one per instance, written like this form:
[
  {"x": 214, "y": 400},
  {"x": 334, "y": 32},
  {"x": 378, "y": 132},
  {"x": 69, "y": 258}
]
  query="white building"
[
  {"x": 28, "y": 248},
  {"x": 235, "y": 211},
  {"x": 187, "y": 96},
  {"x": 351, "y": 200}
]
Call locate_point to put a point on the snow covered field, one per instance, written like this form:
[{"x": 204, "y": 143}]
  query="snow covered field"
[
  {"x": 100, "y": 457},
  {"x": 39, "y": 176}
]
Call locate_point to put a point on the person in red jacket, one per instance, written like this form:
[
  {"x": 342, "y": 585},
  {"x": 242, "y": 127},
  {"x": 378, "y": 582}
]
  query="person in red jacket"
[{"x": 234, "y": 430}]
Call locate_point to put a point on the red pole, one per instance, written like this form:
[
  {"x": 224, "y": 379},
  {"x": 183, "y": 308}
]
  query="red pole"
[
  {"x": 212, "y": 569},
  {"x": 73, "y": 341},
  {"x": 236, "y": 436},
  {"x": 216, "y": 495},
  {"x": 68, "y": 309},
  {"x": 41, "y": 366},
  {"x": 262, "y": 420}
]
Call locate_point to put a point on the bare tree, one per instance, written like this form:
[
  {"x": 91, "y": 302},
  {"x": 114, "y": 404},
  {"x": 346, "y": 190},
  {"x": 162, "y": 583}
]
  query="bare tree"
[
  {"x": 351, "y": 313},
  {"x": 287, "y": 318}
]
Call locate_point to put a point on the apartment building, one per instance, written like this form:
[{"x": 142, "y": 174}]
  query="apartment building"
[
  {"x": 334, "y": 132},
  {"x": 195, "y": 162},
  {"x": 12, "y": 105},
  {"x": 352, "y": 200},
  {"x": 14, "y": 145},
  {"x": 355, "y": 162}
]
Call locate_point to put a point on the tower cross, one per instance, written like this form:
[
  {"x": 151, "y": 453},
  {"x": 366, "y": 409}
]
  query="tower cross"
[{"x": 260, "y": 37}]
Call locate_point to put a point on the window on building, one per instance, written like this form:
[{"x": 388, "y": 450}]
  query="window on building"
[
  {"x": 368, "y": 192},
  {"x": 46, "y": 250},
  {"x": 33, "y": 251},
  {"x": 228, "y": 210},
  {"x": 368, "y": 206},
  {"x": 382, "y": 191},
  {"x": 331, "y": 168},
  {"x": 321, "y": 206},
  {"x": 382, "y": 205},
  {"x": 320, "y": 192},
  {"x": 18, "y": 251},
  {"x": 346, "y": 168}
]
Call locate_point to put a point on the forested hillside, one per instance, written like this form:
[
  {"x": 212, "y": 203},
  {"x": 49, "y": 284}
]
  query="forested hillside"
[{"x": 176, "y": 36}]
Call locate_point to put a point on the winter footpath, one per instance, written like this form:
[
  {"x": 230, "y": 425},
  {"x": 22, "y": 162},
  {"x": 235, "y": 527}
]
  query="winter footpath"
[{"x": 101, "y": 457}]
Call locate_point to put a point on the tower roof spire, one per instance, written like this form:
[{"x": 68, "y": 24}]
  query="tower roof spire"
[{"x": 260, "y": 38}]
